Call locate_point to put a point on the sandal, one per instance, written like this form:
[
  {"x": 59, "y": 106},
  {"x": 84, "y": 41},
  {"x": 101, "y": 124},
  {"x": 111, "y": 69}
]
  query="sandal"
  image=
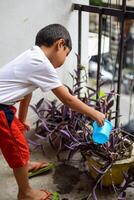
[{"x": 40, "y": 169}]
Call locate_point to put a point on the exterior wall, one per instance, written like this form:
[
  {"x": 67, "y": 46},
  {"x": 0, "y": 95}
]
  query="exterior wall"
[{"x": 20, "y": 21}]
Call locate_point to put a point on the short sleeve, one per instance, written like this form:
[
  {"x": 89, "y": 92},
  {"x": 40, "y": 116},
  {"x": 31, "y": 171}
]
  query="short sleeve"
[{"x": 45, "y": 77}]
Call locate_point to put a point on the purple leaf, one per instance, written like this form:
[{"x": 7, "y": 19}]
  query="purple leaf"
[
  {"x": 45, "y": 125},
  {"x": 40, "y": 137},
  {"x": 78, "y": 83},
  {"x": 97, "y": 170},
  {"x": 110, "y": 104},
  {"x": 110, "y": 95},
  {"x": 94, "y": 195},
  {"x": 39, "y": 103},
  {"x": 69, "y": 147},
  {"x": 91, "y": 89},
  {"x": 34, "y": 109},
  {"x": 35, "y": 144},
  {"x": 122, "y": 196},
  {"x": 77, "y": 89},
  {"x": 65, "y": 133}
]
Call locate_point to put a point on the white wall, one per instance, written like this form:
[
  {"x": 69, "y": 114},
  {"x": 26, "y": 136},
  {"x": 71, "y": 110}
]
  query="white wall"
[{"x": 21, "y": 20}]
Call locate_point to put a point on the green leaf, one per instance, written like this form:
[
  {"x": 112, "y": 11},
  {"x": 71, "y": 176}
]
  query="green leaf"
[{"x": 101, "y": 94}]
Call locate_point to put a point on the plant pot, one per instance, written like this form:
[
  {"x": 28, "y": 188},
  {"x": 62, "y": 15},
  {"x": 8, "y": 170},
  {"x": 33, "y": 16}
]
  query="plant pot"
[{"x": 113, "y": 175}]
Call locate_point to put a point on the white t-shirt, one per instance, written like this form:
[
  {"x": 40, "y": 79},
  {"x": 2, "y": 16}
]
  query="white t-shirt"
[{"x": 29, "y": 71}]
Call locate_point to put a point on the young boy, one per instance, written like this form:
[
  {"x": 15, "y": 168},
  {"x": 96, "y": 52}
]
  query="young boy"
[{"x": 35, "y": 68}]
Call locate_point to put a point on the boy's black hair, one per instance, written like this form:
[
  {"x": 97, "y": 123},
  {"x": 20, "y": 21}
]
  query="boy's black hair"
[{"x": 51, "y": 33}]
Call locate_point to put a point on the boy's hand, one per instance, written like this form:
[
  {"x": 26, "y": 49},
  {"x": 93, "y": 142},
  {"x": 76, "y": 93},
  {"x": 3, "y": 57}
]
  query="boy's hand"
[
  {"x": 99, "y": 117},
  {"x": 26, "y": 126}
]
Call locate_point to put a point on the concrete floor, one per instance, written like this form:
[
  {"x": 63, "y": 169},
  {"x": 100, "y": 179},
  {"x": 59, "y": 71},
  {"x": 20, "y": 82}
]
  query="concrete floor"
[{"x": 69, "y": 180}]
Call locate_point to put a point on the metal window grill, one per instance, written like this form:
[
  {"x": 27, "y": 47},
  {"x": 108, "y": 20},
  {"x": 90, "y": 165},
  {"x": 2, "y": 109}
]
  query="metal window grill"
[{"x": 123, "y": 12}]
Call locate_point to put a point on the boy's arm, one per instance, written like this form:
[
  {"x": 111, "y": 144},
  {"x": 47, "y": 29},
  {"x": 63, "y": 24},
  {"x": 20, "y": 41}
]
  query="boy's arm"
[
  {"x": 23, "y": 108},
  {"x": 74, "y": 103}
]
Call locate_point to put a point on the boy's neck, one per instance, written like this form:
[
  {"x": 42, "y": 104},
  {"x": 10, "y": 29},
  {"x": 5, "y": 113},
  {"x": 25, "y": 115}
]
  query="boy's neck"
[{"x": 48, "y": 51}]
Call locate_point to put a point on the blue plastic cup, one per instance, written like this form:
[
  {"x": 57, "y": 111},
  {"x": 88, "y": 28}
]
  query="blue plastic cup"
[{"x": 101, "y": 134}]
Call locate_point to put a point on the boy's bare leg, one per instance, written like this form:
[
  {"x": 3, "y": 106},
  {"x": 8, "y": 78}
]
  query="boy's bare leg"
[{"x": 25, "y": 192}]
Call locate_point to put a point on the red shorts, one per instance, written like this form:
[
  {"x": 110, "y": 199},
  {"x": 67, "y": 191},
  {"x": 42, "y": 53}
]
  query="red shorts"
[{"x": 13, "y": 143}]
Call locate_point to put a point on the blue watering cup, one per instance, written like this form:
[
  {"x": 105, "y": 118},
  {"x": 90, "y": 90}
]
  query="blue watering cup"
[{"x": 101, "y": 134}]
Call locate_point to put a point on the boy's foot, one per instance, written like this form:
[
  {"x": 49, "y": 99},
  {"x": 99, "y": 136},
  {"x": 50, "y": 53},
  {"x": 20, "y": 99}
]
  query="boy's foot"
[
  {"x": 36, "y": 195},
  {"x": 47, "y": 196},
  {"x": 33, "y": 166}
]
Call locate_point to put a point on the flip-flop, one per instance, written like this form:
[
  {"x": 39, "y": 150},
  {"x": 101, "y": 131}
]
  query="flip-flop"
[
  {"x": 55, "y": 196},
  {"x": 41, "y": 170},
  {"x": 50, "y": 196}
]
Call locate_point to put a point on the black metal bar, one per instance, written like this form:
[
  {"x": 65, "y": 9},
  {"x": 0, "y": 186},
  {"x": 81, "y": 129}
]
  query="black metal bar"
[
  {"x": 129, "y": 15},
  {"x": 104, "y": 10},
  {"x": 128, "y": 8},
  {"x": 122, "y": 13},
  {"x": 110, "y": 35},
  {"x": 79, "y": 34},
  {"x": 79, "y": 45},
  {"x": 120, "y": 65},
  {"x": 99, "y": 55}
]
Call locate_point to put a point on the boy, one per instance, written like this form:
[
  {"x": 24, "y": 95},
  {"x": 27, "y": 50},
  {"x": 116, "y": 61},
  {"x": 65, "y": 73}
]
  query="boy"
[{"x": 35, "y": 68}]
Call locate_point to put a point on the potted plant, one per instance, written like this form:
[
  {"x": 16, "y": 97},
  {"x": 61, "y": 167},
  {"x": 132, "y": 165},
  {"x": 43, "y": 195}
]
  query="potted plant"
[{"x": 109, "y": 163}]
